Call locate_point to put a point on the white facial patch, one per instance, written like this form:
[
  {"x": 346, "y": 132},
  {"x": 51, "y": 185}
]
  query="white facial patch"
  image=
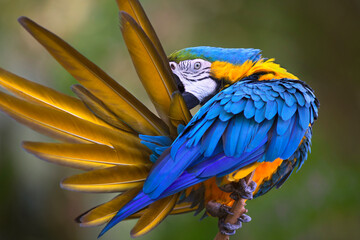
[{"x": 195, "y": 76}]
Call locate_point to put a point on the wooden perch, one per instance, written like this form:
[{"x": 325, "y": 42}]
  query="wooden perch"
[{"x": 237, "y": 209}]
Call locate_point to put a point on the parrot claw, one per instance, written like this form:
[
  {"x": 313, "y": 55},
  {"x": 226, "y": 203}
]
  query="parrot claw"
[
  {"x": 244, "y": 218},
  {"x": 228, "y": 228},
  {"x": 243, "y": 190},
  {"x": 219, "y": 210},
  {"x": 225, "y": 209}
]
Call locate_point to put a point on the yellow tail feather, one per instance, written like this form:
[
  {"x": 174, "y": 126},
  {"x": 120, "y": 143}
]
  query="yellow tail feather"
[
  {"x": 99, "y": 109},
  {"x": 156, "y": 79},
  {"x": 153, "y": 215},
  {"x": 87, "y": 156},
  {"x": 179, "y": 113},
  {"x": 61, "y": 125},
  {"x": 46, "y": 96},
  {"x": 114, "y": 96},
  {"x": 112, "y": 179},
  {"x": 105, "y": 212},
  {"x": 135, "y": 10}
]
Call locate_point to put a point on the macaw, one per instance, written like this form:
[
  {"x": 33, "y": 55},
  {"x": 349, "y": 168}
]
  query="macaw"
[{"x": 254, "y": 117}]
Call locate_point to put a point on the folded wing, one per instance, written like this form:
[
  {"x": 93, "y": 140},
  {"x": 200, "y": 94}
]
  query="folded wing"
[{"x": 247, "y": 122}]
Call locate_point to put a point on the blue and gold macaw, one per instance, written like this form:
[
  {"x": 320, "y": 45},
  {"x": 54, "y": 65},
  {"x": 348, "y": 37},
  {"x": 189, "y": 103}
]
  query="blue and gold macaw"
[{"x": 254, "y": 117}]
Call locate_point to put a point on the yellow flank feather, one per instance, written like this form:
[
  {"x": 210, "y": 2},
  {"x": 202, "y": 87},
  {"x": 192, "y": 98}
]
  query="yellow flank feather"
[
  {"x": 87, "y": 156},
  {"x": 112, "y": 179},
  {"x": 115, "y": 97},
  {"x": 212, "y": 192},
  {"x": 153, "y": 215},
  {"x": 46, "y": 96},
  {"x": 241, "y": 173},
  {"x": 264, "y": 172},
  {"x": 233, "y": 73},
  {"x": 155, "y": 77}
]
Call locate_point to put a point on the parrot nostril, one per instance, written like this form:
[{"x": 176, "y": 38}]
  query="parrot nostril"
[{"x": 172, "y": 65}]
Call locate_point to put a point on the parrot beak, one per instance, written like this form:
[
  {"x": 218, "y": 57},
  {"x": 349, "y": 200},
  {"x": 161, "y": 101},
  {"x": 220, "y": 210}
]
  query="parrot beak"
[
  {"x": 190, "y": 100},
  {"x": 178, "y": 83}
]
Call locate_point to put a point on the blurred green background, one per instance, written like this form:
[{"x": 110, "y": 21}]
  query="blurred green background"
[{"x": 316, "y": 40}]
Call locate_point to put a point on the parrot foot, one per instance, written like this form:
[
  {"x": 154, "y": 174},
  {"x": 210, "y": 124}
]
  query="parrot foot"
[
  {"x": 230, "y": 229},
  {"x": 240, "y": 189},
  {"x": 244, "y": 218},
  {"x": 219, "y": 210}
]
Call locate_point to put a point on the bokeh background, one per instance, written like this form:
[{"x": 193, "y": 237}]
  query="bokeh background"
[{"x": 317, "y": 40}]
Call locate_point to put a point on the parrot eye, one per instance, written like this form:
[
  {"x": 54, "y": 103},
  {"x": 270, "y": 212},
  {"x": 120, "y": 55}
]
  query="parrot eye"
[
  {"x": 197, "y": 65},
  {"x": 172, "y": 66}
]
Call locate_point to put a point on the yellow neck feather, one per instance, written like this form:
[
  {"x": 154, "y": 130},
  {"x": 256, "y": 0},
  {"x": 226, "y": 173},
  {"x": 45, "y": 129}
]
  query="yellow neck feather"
[{"x": 233, "y": 73}]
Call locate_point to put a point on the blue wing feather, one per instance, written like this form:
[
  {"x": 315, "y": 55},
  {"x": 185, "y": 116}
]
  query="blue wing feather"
[
  {"x": 228, "y": 106},
  {"x": 139, "y": 202},
  {"x": 212, "y": 137},
  {"x": 237, "y": 97},
  {"x": 168, "y": 170},
  {"x": 259, "y": 104},
  {"x": 199, "y": 134},
  {"x": 251, "y": 132},
  {"x": 280, "y": 105},
  {"x": 287, "y": 112},
  {"x": 278, "y": 88},
  {"x": 198, "y": 125},
  {"x": 231, "y": 136},
  {"x": 274, "y": 94},
  {"x": 304, "y": 117},
  {"x": 261, "y": 134},
  {"x": 297, "y": 134},
  {"x": 214, "y": 112},
  {"x": 249, "y": 110},
  {"x": 260, "y": 115},
  {"x": 225, "y": 116},
  {"x": 255, "y": 97},
  {"x": 289, "y": 98},
  {"x": 238, "y": 107},
  {"x": 242, "y": 136},
  {"x": 282, "y": 126},
  {"x": 284, "y": 140},
  {"x": 225, "y": 100},
  {"x": 270, "y": 109}
]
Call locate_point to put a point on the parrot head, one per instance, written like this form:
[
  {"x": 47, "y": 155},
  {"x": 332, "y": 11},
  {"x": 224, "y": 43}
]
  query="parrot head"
[{"x": 193, "y": 70}]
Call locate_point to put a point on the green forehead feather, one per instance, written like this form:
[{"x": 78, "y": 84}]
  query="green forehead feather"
[{"x": 184, "y": 54}]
